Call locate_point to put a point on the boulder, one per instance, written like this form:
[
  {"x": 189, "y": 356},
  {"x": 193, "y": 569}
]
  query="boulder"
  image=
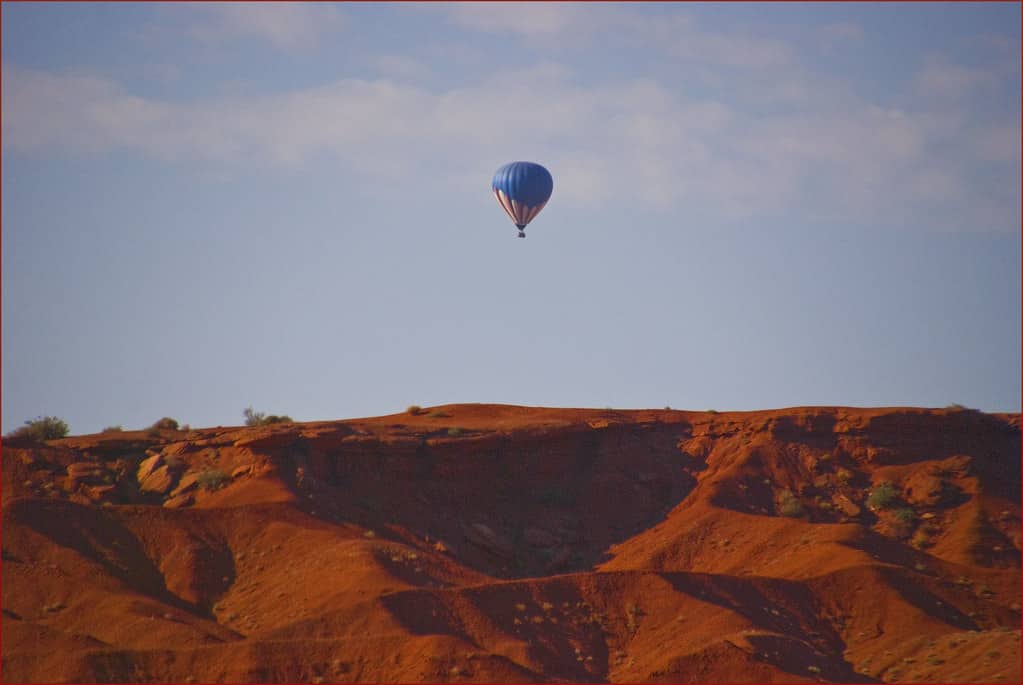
[
  {"x": 182, "y": 500},
  {"x": 85, "y": 470},
  {"x": 98, "y": 493},
  {"x": 242, "y": 470},
  {"x": 159, "y": 481},
  {"x": 924, "y": 489},
  {"x": 188, "y": 483},
  {"x": 147, "y": 466},
  {"x": 846, "y": 505}
]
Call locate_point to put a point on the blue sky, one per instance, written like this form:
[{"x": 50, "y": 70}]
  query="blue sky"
[{"x": 214, "y": 206}]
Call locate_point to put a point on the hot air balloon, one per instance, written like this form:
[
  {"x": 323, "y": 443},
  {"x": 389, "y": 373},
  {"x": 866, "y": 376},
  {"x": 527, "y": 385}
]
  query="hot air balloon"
[{"x": 523, "y": 189}]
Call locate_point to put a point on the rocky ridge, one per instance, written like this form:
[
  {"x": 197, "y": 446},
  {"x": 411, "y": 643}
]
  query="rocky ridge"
[{"x": 491, "y": 542}]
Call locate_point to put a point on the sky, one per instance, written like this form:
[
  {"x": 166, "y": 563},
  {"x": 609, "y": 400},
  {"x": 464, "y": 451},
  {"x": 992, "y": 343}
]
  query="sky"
[{"x": 207, "y": 207}]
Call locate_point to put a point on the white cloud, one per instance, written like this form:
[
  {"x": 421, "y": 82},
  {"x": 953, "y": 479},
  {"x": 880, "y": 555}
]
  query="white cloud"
[
  {"x": 953, "y": 80},
  {"x": 402, "y": 68},
  {"x": 525, "y": 18},
  {"x": 840, "y": 32},
  {"x": 286, "y": 25},
  {"x": 636, "y": 139},
  {"x": 999, "y": 144},
  {"x": 732, "y": 50},
  {"x": 675, "y": 34}
]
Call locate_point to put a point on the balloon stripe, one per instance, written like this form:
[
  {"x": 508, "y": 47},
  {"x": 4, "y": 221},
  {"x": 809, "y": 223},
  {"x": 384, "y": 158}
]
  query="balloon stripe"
[
  {"x": 505, "y": 204},
  {"x": 534, "y": 211},
  {"x": 520, "y": 213}
]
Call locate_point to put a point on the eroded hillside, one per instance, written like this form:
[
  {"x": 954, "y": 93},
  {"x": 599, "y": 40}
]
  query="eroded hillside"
[{"x": 501, "y": 543}]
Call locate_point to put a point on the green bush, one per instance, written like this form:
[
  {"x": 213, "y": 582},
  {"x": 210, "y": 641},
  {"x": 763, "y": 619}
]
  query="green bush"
[
  {"x": 905, "y": 515},
  {"x": 920, "y": 540},
  {"x": 41, "y": 428},
  {"x": 414, "y": 410},
  {"x": 883, "y": 496},
  {"x": 166, "y": 423},
  {"x": 438, "y": 414},
  {"x": 258, "y": 418},
  {"x": 212, "y": 479},
  {"x": 113, "y": 429}
]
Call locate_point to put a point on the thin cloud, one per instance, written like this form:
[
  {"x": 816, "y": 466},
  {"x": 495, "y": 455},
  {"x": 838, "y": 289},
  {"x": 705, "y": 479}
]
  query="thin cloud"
[
  {"x": 675, "y": 35},
  {"x": 285, "y": 25},
  {"x": 634, "y": 138},
  {"x": 524, "y": 18},
  {"x": 733, "y": 50},
  {"x": 840, "y": 32},
  {"x": 953, "y": 80},
  {"x": 401, "y": 68},
  {"x": 999, "y": 144}
]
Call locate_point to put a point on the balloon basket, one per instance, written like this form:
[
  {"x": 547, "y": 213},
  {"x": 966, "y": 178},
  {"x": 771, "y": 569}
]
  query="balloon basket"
[{"x": 522, "y": 234}]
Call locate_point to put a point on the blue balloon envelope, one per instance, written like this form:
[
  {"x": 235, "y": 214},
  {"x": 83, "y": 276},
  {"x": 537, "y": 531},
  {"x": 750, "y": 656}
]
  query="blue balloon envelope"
[{"x": 522, "y": 189}]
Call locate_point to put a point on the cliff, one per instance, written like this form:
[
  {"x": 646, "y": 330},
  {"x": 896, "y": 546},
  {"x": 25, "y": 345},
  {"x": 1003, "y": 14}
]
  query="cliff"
[{"x": 504, "y": 543}]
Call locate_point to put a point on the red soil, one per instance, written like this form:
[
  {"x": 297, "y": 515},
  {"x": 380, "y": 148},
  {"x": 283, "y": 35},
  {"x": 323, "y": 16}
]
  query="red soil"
[{"x": 499, "y": 543}]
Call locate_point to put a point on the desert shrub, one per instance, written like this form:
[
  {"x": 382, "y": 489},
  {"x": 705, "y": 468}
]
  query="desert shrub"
[
  {"x": 901, "y": 526},
  {"x": 883, "y": 496},
  {"x": 789, "y": 505},
  {"x": 41, "y": 428},
  {"x": 414, "y": 410},
  {"x": 905, "y": 515},
  {"x": 166, "y": 423},
  {"x": 277, "y": 418},
  {"x": 455, "y": 432},
  {"x": 113, "y": 429},
  {"x": 258, "y": 418},
  {"x": 920, "y": 539},
  {"x": 212, "y": 479},
  {"x": 712, "y": 411},
  {"x": 843, "y": 476},
  {"x": 438, "y": 414}
]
